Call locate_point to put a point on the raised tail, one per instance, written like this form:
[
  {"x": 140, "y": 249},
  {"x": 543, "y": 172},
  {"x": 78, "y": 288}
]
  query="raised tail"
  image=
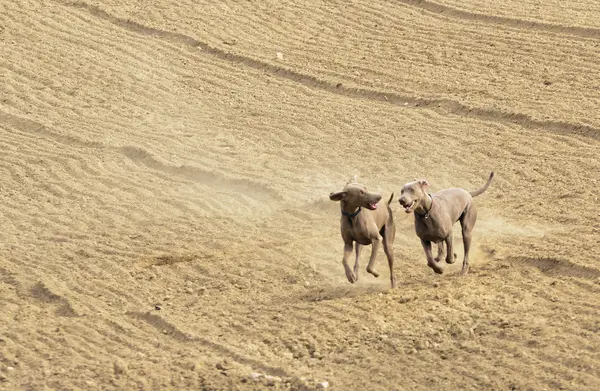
[
  {"x": 484, "y": 188},
  {"x": 390, "y": 200}
]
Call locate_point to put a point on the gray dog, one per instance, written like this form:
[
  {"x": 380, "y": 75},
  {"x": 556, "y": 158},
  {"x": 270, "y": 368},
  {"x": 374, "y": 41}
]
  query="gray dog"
[
  {"x": 364, "y": 222},
  {"x": 435, "y": 214}
]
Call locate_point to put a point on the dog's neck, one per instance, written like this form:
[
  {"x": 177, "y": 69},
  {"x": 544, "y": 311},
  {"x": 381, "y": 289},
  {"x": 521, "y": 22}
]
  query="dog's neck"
[
  {"x": 350, "y": 210},
  {"x": 424, "y": 207}
]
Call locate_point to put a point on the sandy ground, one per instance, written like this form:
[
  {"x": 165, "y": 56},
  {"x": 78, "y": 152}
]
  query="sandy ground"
[{"x": 163, "y": 193}]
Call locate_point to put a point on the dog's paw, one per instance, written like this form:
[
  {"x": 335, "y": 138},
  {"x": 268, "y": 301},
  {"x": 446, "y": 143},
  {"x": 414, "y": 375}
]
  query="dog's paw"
[
  {"x": 373, "y": 272},
  {"x": 451, "y": 259},
  {"x": 352, "y": 277},
  {"x": 436, "y": 268}
]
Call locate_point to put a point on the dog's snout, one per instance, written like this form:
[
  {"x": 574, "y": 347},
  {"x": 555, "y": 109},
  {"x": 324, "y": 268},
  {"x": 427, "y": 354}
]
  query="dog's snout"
[{"x": 402, "y": 201}]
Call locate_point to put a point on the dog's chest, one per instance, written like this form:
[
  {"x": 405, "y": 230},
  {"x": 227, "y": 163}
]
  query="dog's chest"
[
  {"x": 431, "y": 229},
  {"x": 360, "y": 237}
]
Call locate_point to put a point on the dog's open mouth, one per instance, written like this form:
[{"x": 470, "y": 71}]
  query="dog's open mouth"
[
  {"x": 408, "y": 208},
  {"x": 372, "y": 206}
]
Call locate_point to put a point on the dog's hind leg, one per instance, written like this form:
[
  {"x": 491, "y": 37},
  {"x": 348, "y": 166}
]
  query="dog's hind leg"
[
  {"x": 467, "y": 222},
  {"x": 389, "y": 232},
  {"x": 441, "y": 253}
]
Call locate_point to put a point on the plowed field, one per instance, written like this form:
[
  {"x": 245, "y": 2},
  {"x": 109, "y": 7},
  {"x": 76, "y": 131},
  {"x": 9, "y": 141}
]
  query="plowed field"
[{"x": 164, "y": 177}]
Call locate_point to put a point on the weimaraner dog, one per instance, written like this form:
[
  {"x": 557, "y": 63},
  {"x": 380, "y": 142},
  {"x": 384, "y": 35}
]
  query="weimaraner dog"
[
  {"x": 365, "y": 223},
  {"x": 435, "y": 214}
]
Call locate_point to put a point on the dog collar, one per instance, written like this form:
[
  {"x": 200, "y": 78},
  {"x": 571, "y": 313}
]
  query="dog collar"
[
  {"x": 351, "y": 215},
  {"x": 426, "y": 215}
]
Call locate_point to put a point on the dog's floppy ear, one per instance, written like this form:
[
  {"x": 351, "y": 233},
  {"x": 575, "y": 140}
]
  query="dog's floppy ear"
[
  {"x": 340, "y": 195},
  {"x": 424, "y": 184}
]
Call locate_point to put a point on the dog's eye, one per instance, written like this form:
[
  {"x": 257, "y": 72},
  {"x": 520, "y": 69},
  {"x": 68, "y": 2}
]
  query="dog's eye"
[{"x": 362, "y": 192}]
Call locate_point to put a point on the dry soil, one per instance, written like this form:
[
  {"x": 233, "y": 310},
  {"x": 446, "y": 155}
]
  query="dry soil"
[{"x": 164, "y": 173}]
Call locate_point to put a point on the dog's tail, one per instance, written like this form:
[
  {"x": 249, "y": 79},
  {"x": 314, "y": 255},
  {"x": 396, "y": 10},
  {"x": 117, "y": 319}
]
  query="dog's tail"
[
  {"x": 390, "y": 200},
  {"x": 484, "y": 188}
]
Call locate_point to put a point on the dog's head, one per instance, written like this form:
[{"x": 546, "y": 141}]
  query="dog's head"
[
  {"x": 356, "y": 195},
  {"x": 412, "y": 194}
]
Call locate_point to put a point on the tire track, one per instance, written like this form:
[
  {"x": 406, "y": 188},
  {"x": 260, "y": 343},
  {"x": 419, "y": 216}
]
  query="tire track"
[
  {"x": 172, "y": 331},
  {"x": 586, "y": 32},
  {"x": 445, "y": 105},
  {"x": 247, "y": 189},
  {"x": 556, "y": 267},
  {"x": 41, "y": 292}
]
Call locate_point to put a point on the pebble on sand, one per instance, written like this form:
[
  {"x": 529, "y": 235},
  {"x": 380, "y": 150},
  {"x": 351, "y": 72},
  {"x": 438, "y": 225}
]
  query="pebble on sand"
[
  {"x": 119, "y": 367},
  {"x": 255, "y": 376}
]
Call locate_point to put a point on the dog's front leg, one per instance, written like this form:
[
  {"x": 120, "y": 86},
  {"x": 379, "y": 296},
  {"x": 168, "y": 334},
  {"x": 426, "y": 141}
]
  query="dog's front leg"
[
  {"x": 357, "y": 249},
  {"x": 429, "y": 254},
  {"x": 349, "y": 272},
  {"x": 371, "y": 266}
]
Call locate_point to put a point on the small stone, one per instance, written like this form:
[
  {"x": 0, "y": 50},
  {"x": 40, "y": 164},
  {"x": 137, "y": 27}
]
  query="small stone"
[
  {"x": 271, "y": 380},
  {"x": 10, "y": 368},
  {"x": 157, "y": 307},
  {"x": 221, "y": 367},
  {"x": 323, "y": 385},
  {"x": 189, "y": 290},
  {"x": 279, "y": 55},
  {"x": 436, "y": 284},
  {"x": 306, "y": 284},
  {"x": 255, "y": 376}
]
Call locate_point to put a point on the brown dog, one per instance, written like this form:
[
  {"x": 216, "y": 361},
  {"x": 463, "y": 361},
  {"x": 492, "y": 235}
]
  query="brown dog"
[
  {"x": 435, "y": 214},
  {"x": 364, "y": 222}
]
